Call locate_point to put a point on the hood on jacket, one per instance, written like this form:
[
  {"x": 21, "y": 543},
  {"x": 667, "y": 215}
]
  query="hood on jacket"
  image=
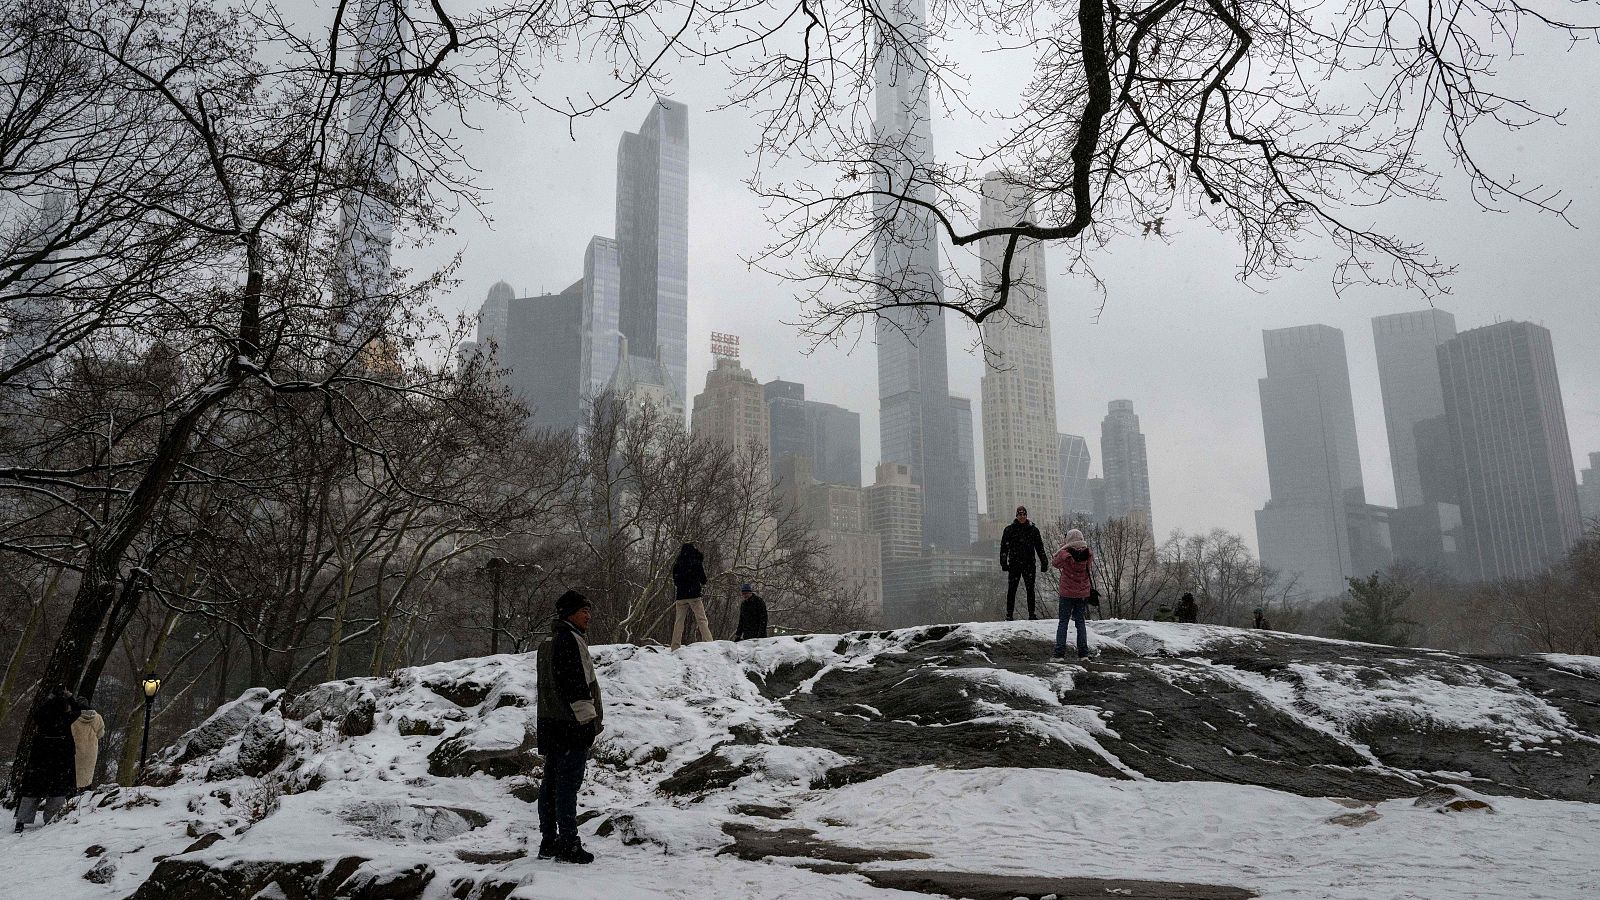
[
  {"x": 87, "y": 715},
  {"x": 1075, "y": 541}
]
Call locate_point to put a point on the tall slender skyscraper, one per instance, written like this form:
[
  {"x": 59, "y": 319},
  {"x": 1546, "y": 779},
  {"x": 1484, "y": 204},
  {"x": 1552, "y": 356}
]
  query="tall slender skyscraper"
[
  {"x": 1508, "y": 431},
  {"x": 367, "y": 220},
  {"x": 1408, "y": 373},
  {"x": 36, "y": 309},
  {"x": 1073, "y": 463},
  {"x": 1317, "y": 526},
  {"x": 1021, "y": 448},
  {"x": 1125, "y": 464},
  {"x": 914, "y": 410},
  {"x": 653, "y": 239},
  {"x": 602, "y": 335},
  {"x": 966, "y": 462}
]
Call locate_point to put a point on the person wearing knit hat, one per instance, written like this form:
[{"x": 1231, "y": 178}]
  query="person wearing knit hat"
[
  {"x": 1019, "y": 544},
  {"x": 752, "y": 615},
  {"x": 1076, "y": 561},
  {"x": 570, "y": 718}
]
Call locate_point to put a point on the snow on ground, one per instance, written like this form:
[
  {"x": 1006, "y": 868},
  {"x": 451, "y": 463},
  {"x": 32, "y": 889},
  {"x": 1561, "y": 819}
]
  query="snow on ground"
[
  {"x": 373, "y": 796},
  {"x": 1050, "y": 822}
]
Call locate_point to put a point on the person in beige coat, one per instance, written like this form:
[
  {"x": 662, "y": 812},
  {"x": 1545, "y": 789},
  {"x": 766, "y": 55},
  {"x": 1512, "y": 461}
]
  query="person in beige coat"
[{"x": 87, "y": 730}]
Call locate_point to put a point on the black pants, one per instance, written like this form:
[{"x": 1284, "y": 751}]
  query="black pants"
[
  {"x": 1011, "y": 589},
  {"x": 558, "y": 794}
]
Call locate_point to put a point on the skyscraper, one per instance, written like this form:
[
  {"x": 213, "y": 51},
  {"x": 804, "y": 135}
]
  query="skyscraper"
[
  {"x": 366, "y": 219},
  {"x": 543, "y": 336},
  {"x": 653, "y": 239},
  {"x": 1508, "y": 432},
  {"x": 602, "y": 337},
  {"x": 1073, "y": 464},
  {"x": 1317, "y": 526},
  {"x": 1021, "y": 449},
  {"x": 894, "y": 511},
  {"x": 830, "y": 435},
  {"x": 1408, "y": 373},
  {"x": 492, "y": 316},
  {"x": 1124, "y": 463},
  {"x": 732, "y": 409},
  {"x": 1589, "y": 491},
  {"x": 36, "y": 309},
  {"x": 914, "y": 419},
  {"x": 966, "y": 462},
  {"x": 1425, "y": 528}
]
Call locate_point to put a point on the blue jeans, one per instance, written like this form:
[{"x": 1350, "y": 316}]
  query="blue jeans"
[
  {"x": 1072, "y": 609},
  {"x": 558, "y": 794}
]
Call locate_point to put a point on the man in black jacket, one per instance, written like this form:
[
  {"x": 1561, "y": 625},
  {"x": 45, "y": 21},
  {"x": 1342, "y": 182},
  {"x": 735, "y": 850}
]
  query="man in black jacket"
[
  {"x": 752, "y": 615},
  {"x": 689, "y": 578},
  {"x": 1019, "y": 544},
  {"x": 570, "y": 718}
]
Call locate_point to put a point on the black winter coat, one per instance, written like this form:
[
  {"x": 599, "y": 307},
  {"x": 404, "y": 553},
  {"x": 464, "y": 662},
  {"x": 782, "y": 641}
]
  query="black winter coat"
[
  {"x": 52, "y": 761},
  {"x": 689, "y": 573},
  {"x": 1019, "y": 544},
  {"x": 569, "y": 693},
  {"x": 752, "y": 619},
  {"x": 1188, "y": 611}
]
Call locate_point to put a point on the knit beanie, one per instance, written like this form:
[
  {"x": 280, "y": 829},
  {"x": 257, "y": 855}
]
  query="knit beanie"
[{"x": 569, "y": 603}]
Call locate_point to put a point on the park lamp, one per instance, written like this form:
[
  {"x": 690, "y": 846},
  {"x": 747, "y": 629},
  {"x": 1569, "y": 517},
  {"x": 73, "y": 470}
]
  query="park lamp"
[{"x": 152, "y": 686}]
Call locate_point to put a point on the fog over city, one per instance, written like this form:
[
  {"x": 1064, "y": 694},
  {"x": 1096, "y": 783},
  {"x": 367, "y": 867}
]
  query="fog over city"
[{"x": 1175, "y": 331}]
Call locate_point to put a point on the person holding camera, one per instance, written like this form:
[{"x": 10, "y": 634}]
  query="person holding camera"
[{"x": 1075, "y": 560}]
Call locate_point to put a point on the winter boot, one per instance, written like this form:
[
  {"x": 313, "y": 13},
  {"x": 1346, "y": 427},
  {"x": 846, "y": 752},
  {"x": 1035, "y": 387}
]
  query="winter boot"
[
  {"x": 548, "y": 847},
  {"x": 573, "y": 852}
]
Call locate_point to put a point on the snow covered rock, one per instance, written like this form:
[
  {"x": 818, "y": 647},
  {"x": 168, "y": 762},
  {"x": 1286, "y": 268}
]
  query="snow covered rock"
[{"x": 811, "y": 760}]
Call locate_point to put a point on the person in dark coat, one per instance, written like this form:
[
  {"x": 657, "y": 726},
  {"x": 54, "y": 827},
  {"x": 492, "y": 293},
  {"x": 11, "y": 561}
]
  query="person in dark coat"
[
  {"x": 570, "y": 718},
  {"x": 1261, "y": 619},
  {"x": 689, "y": 578},
  {"x": 752, "y": 615},
  {"x": 1188, "y": 610},
  {"x": 1020, "y": 543},
  {"x": 51, "y": 773}
]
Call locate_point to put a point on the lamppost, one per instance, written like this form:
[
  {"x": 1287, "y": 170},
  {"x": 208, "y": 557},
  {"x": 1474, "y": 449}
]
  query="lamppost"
[
  {"x": 496, "y": 566},
  {"x": 152, "y": 686}
]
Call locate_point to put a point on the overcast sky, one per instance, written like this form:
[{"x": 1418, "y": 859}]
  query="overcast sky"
[{"x": 1179, "y": 335}]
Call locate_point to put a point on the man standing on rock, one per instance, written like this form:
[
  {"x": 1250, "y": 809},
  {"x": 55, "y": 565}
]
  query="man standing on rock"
[
  {"x": 752, "y": 615},
  {"x": 570, "y": 717},
  {"x": 1019, "y": 544},
  {"x": 689, "y": 580}
]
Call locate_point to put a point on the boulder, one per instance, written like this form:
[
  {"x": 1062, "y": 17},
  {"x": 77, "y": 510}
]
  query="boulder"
[
  {"x": 103, "y": 870},
  {"x": 500, "y": 746},
  {"x": 263, "y": 746},
  {"x": 221, "y": 726}
]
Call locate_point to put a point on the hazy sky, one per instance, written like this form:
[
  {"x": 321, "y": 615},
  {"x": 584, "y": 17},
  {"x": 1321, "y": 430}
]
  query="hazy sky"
[{"x": 1179, "y": 335}]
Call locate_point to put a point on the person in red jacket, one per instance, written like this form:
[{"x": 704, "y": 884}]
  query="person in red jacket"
[{"x": 1074, "y": 560}]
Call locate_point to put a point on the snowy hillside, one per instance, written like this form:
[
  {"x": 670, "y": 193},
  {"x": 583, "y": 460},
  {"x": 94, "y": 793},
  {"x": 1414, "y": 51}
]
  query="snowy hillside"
[{"x": 1185, "y": 761}]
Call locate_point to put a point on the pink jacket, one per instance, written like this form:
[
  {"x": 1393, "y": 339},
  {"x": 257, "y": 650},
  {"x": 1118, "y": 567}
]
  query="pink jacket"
[{"x": 1074, "y": 574}]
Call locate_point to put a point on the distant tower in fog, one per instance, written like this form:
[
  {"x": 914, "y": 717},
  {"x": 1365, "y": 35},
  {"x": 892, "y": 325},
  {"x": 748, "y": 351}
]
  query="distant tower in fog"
[
  {"x": 1073, "y": 463},
  {"x": 1317, "y": 525},
  {"x": 1408, "y": 372},
  {"x": 1508, "y": 431},
  {"x": 1124, "y": 463}
]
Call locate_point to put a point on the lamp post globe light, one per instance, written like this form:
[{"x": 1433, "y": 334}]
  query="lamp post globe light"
[{"x": 152, "y": 686}]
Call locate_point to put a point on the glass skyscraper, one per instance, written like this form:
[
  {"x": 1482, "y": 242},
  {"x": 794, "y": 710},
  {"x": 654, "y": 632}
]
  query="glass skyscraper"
[
  {"x": 915, "y": 415},
  {"x": 602, "y": 305},
  {"x": 653, "y": 240},
  {"x": 1073, "y": 462},
  {"x": 366, "y": 221}
]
